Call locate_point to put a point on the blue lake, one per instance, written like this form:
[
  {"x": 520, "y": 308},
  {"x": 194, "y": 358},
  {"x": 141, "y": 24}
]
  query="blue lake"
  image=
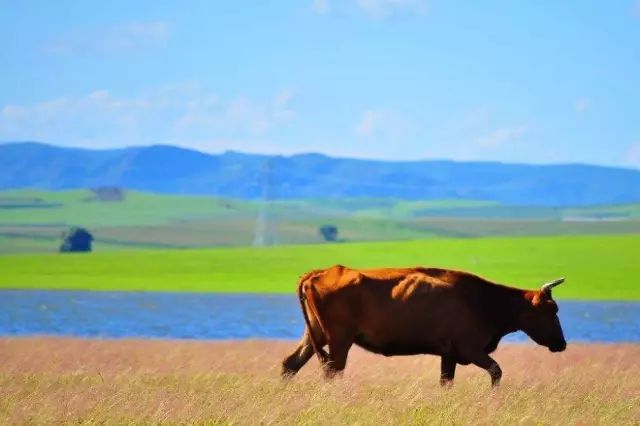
[{"x": 235, "y": 316}]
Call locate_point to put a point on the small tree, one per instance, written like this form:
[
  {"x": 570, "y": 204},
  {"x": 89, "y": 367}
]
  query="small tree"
[
  {"x": 108, "y": 193},
  {"x": 329, "y": 232},
  {"x": 76, "y": 240}
]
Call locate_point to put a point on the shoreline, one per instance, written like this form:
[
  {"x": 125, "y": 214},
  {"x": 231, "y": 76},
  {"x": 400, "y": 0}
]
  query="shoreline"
[{"x": 275, "y": 340}]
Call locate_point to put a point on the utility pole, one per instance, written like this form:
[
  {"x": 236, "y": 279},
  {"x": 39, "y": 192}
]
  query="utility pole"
[{"x": 263, "y": 235}]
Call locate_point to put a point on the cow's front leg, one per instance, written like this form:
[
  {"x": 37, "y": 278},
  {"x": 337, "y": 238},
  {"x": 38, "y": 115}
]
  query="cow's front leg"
[
  {"x": 485, "y": 361},
  {"x": 447, "y": 370}
]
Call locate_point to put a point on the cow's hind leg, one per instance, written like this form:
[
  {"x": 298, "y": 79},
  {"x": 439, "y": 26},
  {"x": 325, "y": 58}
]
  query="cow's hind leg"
[
  {"x": 483, "y": 360},
  {"x": 294, "y": 362},
  {"x": 338, "y": 352},
  {"x": 447, "y": 370}
]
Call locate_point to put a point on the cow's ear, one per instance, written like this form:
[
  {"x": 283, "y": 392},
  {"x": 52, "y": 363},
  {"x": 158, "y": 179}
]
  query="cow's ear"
[
  {"x": 544, "y": 296},
  {"x": 534, "y": 297}
]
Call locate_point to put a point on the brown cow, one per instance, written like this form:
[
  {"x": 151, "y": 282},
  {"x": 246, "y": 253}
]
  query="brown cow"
[{"x": 457, "y": 315}]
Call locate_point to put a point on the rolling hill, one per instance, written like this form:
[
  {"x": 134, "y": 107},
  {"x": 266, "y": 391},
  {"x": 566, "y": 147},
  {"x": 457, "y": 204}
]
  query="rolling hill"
[
  {"x": 169, "y": 169},
  {"x": 34, "y": 220}
]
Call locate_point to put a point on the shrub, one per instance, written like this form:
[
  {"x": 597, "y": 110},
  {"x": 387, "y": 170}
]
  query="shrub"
[
  {"x": 329, "y": 232},
  {"x": 108, "y": 193},
  {"x": 76, "y": 240}
]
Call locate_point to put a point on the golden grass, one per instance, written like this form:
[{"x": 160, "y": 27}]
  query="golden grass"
[{"x": 53, "y": 380}]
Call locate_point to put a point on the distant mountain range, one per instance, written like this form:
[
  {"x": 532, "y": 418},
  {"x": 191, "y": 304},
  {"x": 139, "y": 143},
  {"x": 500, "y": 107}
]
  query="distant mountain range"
[{"x": 169, "y": 169}]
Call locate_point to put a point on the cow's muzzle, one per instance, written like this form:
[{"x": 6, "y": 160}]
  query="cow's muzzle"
[{"x": 558, "y": 347}]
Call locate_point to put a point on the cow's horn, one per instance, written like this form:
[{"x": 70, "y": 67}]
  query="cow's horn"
[{"x": 546, "y": 288}]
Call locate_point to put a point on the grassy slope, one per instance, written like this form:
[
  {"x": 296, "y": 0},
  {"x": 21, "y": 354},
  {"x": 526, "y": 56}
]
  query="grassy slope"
[
  {"x": 137, "y": 209},
  {"x": 11, "y": 245},
  {"x": 620, "y": 211},
  {"x": 32, "y": 221},
  {"x": 596, "y": 267}
]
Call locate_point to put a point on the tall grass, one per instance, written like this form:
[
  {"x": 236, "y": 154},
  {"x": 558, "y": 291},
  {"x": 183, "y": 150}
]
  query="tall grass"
[{"x": 62, "y": 380}]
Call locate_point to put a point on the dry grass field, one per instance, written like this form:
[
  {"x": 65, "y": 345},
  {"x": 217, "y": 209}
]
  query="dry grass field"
[{"x": 54, "y": 380}]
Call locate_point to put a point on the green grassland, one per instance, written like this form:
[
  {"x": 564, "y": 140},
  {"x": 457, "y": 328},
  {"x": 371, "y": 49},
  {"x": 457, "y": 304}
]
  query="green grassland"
[
  {"x": 80, "y": 207},
  {"x": 33, "y": 221},
  {"x": 10, "y": 244},
  {"x": 596, "y": 267}
]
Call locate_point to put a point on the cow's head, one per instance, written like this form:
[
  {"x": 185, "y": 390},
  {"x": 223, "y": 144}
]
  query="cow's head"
[{"x": 540, "y": 319}]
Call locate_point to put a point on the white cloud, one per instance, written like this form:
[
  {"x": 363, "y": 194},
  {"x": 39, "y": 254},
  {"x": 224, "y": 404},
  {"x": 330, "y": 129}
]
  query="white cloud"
[
  {"x": 481, "y": 133},
  {"x": 502, "y": 136},
  {"x": 321, "y": 6},
  {"x": 368, "y": 123},
  {"x": 375, "y": 9},
  {"x": 122, "y": 37},
  {"x": 582, "y": 104},
  {"x": 381, "y": 9},
  {"x": 384, "y": 124},
  {"x": 171, "y": 114},
  {"x": 474, "y": 118},
  {"x": 631, "y": 156}
]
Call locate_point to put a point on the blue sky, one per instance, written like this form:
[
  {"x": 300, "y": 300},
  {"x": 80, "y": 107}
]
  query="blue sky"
[{"x": 388, "y": 79}]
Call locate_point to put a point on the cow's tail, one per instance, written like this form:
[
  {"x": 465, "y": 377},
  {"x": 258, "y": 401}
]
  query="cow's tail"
[{"x": 306, "y": 295}]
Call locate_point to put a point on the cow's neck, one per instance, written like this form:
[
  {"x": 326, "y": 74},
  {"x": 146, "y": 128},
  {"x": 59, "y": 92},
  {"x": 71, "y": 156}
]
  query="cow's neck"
[{"x": 509, "y": 305}]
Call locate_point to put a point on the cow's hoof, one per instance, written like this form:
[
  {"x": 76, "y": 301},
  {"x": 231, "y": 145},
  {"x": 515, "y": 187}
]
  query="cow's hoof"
[
  {"x": 287, "y": 373},
  {"x": 446, "y": 383}
]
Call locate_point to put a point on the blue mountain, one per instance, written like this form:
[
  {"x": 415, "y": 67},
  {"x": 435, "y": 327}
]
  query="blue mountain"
[{"x": 169, "y": 169}]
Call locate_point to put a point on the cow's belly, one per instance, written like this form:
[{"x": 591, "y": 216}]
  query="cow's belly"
[
  {"x": 413, "y": 327},
  {"x": 405, "y": 338},
  {"x": 399, "y": 346}
]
